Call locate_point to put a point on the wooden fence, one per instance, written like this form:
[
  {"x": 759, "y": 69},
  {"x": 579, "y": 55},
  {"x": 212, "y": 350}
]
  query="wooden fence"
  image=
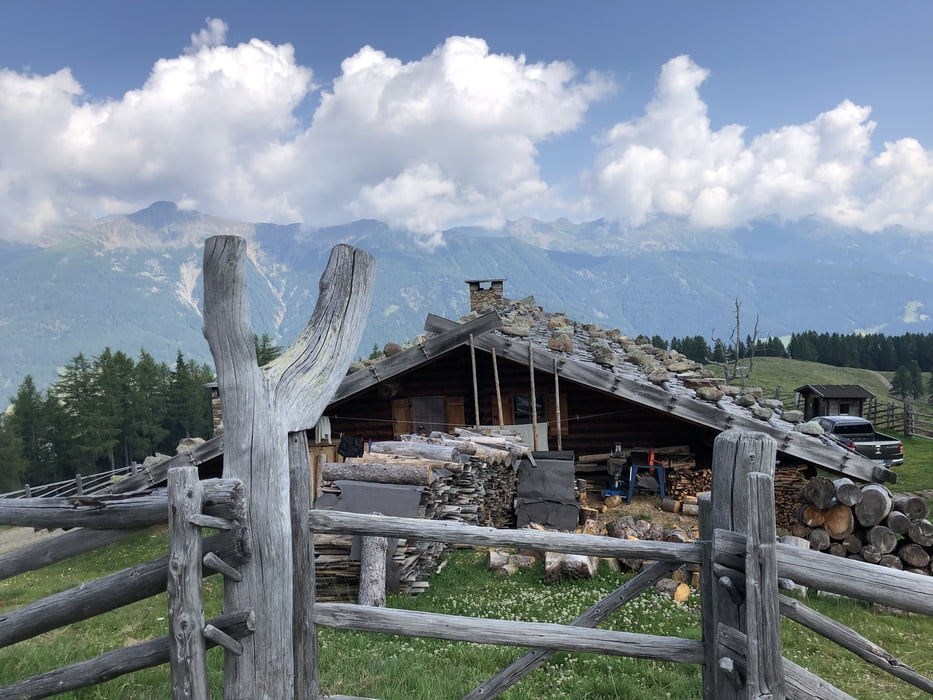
[
  {"x": 265, "y": 551},
  {"x": 77, "y": 486},
  {"x": 742, "y": 565}
]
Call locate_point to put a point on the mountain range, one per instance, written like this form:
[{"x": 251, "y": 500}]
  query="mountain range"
[{"x": 133, "y": 282}]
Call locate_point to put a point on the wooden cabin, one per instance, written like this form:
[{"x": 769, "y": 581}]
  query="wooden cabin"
[
  {"x": 833, "y": 399},
  {"x": 593, "y": 389}
]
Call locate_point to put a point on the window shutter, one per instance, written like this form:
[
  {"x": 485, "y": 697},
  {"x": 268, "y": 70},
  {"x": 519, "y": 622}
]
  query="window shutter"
[
  {"x": 456, "y": 412},
  {"x": 401, "y": 417}
]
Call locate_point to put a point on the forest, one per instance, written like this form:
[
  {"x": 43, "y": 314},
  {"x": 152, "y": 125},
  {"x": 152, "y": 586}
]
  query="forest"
[{"x": 111, "y": 410}]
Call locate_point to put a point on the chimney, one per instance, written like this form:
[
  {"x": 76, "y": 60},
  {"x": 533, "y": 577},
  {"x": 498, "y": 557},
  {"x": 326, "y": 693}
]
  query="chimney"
[{"x": 485, "y": 296}]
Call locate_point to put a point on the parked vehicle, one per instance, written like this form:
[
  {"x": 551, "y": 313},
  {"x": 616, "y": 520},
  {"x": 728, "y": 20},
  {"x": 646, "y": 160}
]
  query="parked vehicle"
[{"x": 858, "y": 434}]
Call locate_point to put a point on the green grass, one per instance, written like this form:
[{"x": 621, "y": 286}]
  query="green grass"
[
  {"x": 388, "y": 666},
  {"x": 772, "y": 373}
]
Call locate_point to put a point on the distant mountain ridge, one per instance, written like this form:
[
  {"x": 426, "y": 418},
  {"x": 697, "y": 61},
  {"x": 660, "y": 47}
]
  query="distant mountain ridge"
[{"x": 132, "y": 282}]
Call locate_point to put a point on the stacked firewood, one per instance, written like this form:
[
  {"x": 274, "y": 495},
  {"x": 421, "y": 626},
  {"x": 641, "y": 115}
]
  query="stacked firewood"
[
  {"x": 628, "y": 528},
  {"x": 788, "y": 480},
  {"x": 461, "y": 480},
  {"x": 867, "y": 522}
]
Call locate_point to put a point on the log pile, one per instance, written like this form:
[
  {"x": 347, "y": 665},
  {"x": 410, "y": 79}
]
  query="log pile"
[
  {"x": 629, "y": 528},
  {"x": 867, "y": 523},
  {"x": 460, "y": 480}
]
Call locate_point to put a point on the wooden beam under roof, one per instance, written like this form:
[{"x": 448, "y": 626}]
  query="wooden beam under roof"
[
  {"x": 455, "y": 335},
  {"x": 682, "y": 405}
]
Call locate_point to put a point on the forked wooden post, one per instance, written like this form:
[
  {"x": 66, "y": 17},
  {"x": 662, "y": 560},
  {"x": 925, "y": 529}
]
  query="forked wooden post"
[
  {"x": 726, "y": 601},
  {"x": 262, "y": 406}
]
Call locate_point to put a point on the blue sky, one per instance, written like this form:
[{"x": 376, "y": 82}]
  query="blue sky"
[{"x": 434, "y": 114}]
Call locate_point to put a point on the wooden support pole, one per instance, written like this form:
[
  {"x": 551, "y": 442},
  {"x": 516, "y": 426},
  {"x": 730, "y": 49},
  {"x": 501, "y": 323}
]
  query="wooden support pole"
[
  {"x": 495, "y": 374},
  {"x": 187, "y": 650},
  {"x": 736, "y": 454},
  {"x": 373, "y": 570},
  {"x": 534, "y": 399},
  {"x": 475, "y": 381},
  {"x": 560, "y": 432}
]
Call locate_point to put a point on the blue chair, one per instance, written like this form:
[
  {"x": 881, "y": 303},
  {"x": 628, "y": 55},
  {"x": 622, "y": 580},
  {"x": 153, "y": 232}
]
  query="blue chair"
[{"x": 645, "y": 462}]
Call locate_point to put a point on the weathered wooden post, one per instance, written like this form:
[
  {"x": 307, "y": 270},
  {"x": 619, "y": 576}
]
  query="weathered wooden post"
[
  {"x": 187, "y": 649},
  {"x": 736, "y": 455},
  {"x": 261, "y": 407}
]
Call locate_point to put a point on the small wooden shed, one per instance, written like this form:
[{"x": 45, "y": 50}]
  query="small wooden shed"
[{"x": 833, "y": 399}]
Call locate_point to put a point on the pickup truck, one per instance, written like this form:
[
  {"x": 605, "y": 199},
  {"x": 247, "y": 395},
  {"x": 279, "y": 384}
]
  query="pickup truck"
[{"x": 858, "y": 434}]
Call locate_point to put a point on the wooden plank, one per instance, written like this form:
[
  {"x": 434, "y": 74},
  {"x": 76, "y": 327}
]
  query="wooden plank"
[
  {"x": 848, "y": 577},
  {"x": 331, "y": 521},
  {"x": 800, "y": 684},
  {"x": 157, "y": 474},
  {"x": 509, "y": 633},
  {"x": 118, "y": 512},
  {"x": 55, "y": 549},
  {"x": 409, "y": 358},
  {"x": 187, "y": 651},
  {"x": 103, "y": 595},
  {"x": 848, "y": 638},
  {"x": 116, "y": 663},
  {"x": 535, "y": 658}
]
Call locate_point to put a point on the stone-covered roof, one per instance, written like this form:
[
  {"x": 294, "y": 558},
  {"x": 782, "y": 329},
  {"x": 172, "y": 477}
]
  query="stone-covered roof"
[{"x": 630, "y": 368}]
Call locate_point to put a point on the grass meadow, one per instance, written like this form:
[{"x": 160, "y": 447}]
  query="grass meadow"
[{"x": 408, "y": 668}]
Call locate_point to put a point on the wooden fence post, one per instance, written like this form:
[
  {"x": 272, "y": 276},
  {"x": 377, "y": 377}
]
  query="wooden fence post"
[
  {"x": 262, "y": 405},
  {"x": 736, "y": 454},
  {"x": 187, "y": 650}
]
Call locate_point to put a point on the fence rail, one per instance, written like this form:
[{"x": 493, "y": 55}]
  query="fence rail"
[
  {"x": 79, "y": 485},
  {"x": 741, "y": 565}
]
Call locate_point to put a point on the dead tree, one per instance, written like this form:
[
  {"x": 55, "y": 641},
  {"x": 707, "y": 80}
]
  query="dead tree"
[{"x": 262, "y": 405}]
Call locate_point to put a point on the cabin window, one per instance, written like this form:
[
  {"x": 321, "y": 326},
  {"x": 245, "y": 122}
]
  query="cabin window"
[
  {"x": 521, "y": 405},
  {"x": 428, "y": 413},
  {"x": 843, "y": 409}
]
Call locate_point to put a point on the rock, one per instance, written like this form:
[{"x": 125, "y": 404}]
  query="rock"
[
  {"x": 746, "y": 400},
  {"x": 709, "y": 393},
  {"x": 810, "y": 428},
  {"x": 762, "y": 412},
  {"x": 188, "y": 444},
  {"x": 681, "y": 366},
  {"x": 773, "y": 404},
  {"x": 521, "y": 330},
  {"x": 794, "y": 416},
  {"x": 561, "y": 342},
  {"x": 659, "y": 376},
  {"x": 391, "y": 349},
  {"x": 606, "y": 357}
]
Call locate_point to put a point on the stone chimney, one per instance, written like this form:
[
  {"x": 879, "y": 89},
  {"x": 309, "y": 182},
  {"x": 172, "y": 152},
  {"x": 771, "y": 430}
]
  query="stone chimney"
[{"x": 488, "y": 295}]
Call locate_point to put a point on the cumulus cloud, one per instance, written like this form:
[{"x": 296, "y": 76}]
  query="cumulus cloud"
[
  {"x": 447, "y": 139},
  {"x": 671, "y": 162},
  {"x": 451, "y": 138},
  {"x": 215, "y": 34}
]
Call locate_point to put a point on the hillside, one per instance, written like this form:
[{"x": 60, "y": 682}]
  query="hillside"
[
  {"x": 131, "y": 282},
  {"x": 785, "y": 375}
]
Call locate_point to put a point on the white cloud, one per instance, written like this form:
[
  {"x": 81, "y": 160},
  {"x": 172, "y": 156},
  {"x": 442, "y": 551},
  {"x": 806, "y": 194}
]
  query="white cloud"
[
  {"x": 215, "y": 34},
  {"x": 671, "y": 162},
  {"x": 451, "y": 138}
]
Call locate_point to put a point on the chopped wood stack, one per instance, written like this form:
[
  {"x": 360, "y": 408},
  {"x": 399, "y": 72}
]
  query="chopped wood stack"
[
  {"x": 867, "y": 523},
  {"x": 461, "y": 480},
  {"x": 788, "y": 480},
  {"x": 628, "y": 528}
]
